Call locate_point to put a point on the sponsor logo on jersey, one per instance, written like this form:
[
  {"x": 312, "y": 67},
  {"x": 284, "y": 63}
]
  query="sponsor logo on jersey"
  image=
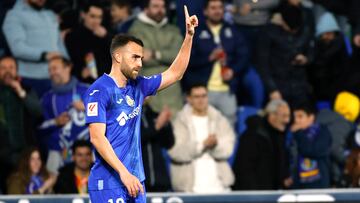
[
  {"x": 123, "y": 117},
  {"x": 92, "y": 109}
]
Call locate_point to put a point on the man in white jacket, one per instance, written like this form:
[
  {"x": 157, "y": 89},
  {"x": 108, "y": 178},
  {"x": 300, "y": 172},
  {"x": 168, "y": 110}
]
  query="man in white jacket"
[{"x": 204, "y": 140}]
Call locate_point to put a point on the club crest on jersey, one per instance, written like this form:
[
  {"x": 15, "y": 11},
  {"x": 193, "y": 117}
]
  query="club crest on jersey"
[
  {"x": 130, "y": 101},
  {"x": 92, "y": 109}
]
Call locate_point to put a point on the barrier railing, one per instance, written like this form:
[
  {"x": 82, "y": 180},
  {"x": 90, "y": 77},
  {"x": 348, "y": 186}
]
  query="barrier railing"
[{"x": 329, "y": 195}]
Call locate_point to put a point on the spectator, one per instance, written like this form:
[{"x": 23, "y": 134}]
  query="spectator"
[
  {"x": 251, "y": 16},
  {"x": 350, "y": 9},
  {"x": 122, "y": 15},
  {"x": 330, "y": 59},
  {"x": 307, "y": 30},
  {"x": 354, "y": 18},
  {"x": 162, "y": 42},
  {"x": 88, "y": 44},
  {"x": 261, "y": 161},
  {"x": 156, "y": 135},
  {"x": 33, "y": 36},
  {"x": 340, "y": 124},
  {"x": 31, "y": 176},
  {"x": 351, "y": 176},
  {"x": 219, "y": 59},
  {"x": 313, "y": 144},
  {"x": 19, "y": 110},
  {"x": 283, "y": 56},
  {"x": 64, "y": 113},
  {"x": 204, "y": 140},
  {"x": 73, "y": 177}
]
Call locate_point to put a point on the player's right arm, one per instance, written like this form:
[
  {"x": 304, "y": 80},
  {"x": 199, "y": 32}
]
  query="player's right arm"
[{"x": 104, "y": 148}]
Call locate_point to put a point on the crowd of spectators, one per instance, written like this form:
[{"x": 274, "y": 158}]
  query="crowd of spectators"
[{"x": 295, "y": 61}]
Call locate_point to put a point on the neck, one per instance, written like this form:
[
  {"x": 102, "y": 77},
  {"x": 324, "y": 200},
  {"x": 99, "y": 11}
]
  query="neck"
[
  {"x": 80, "y": 172},
  {"x": 199, "y": 113},
  {"x": 118, "y": 76},
  {"x": 66, "y": 81},
  {"x": 212, "y": 24}
]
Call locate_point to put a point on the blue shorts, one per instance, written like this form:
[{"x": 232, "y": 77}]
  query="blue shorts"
[{"x": 118, "y": 195}]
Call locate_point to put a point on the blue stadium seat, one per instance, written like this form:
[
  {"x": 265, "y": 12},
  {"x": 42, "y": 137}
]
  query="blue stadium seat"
[{"x": 320, "y": 105}]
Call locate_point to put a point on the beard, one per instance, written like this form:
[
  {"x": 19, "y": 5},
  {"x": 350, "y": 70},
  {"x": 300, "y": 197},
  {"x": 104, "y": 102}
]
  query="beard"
[
  {"x": 36, "y": 6},
  {"x": 128, "y": 73},
  {"x": 215, "y": 21},
  {"x": 7, "y": 78},
  {"x": 158, "y": 17}
]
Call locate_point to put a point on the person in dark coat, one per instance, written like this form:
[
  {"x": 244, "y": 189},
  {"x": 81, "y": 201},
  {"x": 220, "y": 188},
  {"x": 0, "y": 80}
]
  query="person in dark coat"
[
  {"x": 313, "y": 144},
  {"x": 283, "y": 53},
  {"x": 261, "y": 161},
  {"x": 88, "y": 45},
  {"x": 20, "y": 113},
  {"x": 331, "y": 58},
  {"x": 156, "y": 135},
  {"x": 73, "y": 177}
]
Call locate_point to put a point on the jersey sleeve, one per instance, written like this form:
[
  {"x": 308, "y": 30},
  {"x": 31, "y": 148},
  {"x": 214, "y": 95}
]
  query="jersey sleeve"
[
  {"x": 149, "y": 85},
  {"x": 96, "y": 100}
]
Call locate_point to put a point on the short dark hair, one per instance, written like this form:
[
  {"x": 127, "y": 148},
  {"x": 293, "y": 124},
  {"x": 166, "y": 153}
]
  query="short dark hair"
[
  {"x": 80, "y": 143},
  {"x": 121, "y": 3},
  {"x": 121, "y": 40},
  {"x": 207, "y": 2},
  {"x": 146, "y": 3},
  {"x": 193, "y": 86},
  {"x": 307, "y": 107},
  {"x": 9, "y": 57},
  {"x": 92, "y": 3},
  {"x": 64, "y": 60}
]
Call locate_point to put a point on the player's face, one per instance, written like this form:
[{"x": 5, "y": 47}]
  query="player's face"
[
  {"x": 82, "y": 158},
  {"x": 156, "y": 10},
  {"x": 35, "y": 162},
  {"x": 93, "y": 18},
  {"x": 214, "y": 12},
  {"x": 198, "y": 99},
  {"x": 132, "y": 55},
  {"x": 7, "y": 69},
  {"x": 59, "y": 73}
]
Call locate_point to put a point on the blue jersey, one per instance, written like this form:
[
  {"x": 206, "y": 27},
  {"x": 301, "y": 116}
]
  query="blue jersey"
[{"x": 120, "y": 109}]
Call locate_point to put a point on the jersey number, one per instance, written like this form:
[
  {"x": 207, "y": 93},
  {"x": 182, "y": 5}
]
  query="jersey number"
[{"x": 118, "y": 200}]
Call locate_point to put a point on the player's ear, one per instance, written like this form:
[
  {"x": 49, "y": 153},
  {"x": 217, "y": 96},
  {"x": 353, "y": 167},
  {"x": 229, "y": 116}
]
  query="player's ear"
[{"x": 117, "y": 57}]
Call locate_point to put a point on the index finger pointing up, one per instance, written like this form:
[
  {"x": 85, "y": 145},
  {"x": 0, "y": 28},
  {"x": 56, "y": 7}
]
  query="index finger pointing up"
[{"x": 186, "y": 12}]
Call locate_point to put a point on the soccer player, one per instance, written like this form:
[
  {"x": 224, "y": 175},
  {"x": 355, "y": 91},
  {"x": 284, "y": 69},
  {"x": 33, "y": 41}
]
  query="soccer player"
[{"x": 113, "y": 108}]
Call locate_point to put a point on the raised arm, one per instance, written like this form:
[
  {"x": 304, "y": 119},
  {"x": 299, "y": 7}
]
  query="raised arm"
[
  {"x": 177, "y": 69},
  {"x": 104, "y": 148}
]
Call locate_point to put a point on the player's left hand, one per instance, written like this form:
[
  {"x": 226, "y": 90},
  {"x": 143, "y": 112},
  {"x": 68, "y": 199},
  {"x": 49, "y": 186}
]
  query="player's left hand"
[
  {"x": 191, "y": 22},
  {"x": 132, "y": 184}
]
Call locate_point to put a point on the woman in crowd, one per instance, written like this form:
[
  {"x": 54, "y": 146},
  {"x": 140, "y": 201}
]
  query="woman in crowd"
[{"x": 31, "y": 176}]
